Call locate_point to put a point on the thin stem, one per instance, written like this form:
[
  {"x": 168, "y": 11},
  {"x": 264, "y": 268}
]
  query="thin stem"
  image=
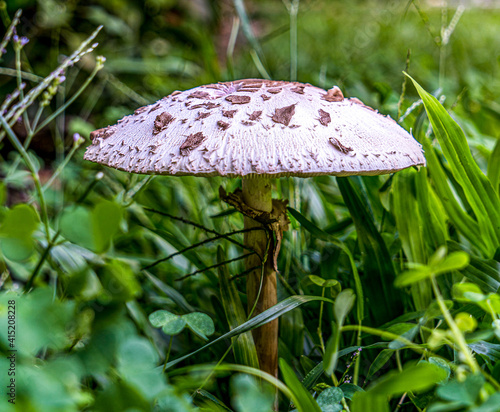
[
  {"x": 206, "y": 229},
  {"x": 22, "y": 151},
  {"x": 320, "y": 333},
  {"x": 293, "y": 11},
  {"x": 17, "y": 49},
  {"x": 398, "y": 361},
  {"x": 457, "y": 333},
  {"x": 62, "y": 166},
  {"x": 195, "y": 245},
  {"x": 215, "y": 266},
  {"x": 167, "y": 356},
  {"x": 98, "y": 176},
  {"x": 258, "y": 63},
  {"x": 403, "y": 87},
  {"x": 214, "y": 369},
  {"x": 230, "y": 46},
  {"x": 244, "y": 273},
  {"x": 44, "y": 256},
  {"x": 357, "y": 361},
  {"x": 6, "y": 71}
]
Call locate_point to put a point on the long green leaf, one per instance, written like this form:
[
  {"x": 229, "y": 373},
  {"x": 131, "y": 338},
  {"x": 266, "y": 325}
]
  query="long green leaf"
[
  {"x": 304, "y": 400},
  {"x": 477, "y": 187},
  {"x": 494, "y": 167},
  {"x": 377, "y": 263},
  {"x": 244, "y": 346},
  {"x": 414, "y": 378},
  {"x": 461, "y": 220},
  {"x": 408, "y": 219},
  {"x": 420, "y": 218},
  {"x": 265, "y": 317}
]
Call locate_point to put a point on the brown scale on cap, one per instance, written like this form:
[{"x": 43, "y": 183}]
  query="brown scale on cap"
[
  {"x": 192, "y": 142},
  {"x": 284, "y": 115},
  {"x": 234, "y": 99},
  {"x": 156, "y": 106},
  {"x": 162, "y": 121},
  {"x": 223, "y": 125},
  {"x": 102, "y": 133},
  {"x": 339, "y": 146},
  {"x": 229, "y": 113},
  {"x": 198, "y": 94},
  {"x": 324, "y": 117},
  {"x": 333, "y": 95},
  {"x": 255, "y": 115},
  {"x": 247, "y": 123},
  {"x": 298, "y": 89},
  {"x": 357, "y": 101},
  {"x": 202, "y": 115},
  {"x": 275, "y": 90},
  {"x": 207, "y": 105},
  {"x": 265, "y": 97},
  {"x": 140, "y": 110}
]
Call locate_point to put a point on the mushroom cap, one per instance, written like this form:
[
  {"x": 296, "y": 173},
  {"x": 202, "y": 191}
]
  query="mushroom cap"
[{"x": 256, "y": 127}]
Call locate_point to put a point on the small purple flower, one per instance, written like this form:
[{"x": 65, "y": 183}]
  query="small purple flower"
[
  {"x": 24, "y": 41},
  {"x": 4, "y": 51},
  {"x": 15, "y": 38},
  {"x": 76, "y": 137}
]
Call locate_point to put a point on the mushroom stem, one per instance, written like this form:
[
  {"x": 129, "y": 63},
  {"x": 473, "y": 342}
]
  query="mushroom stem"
[{"x": 257, "y": 194}]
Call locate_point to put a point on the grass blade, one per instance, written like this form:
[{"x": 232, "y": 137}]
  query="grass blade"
[
  {"x": 494, "y": 168},
  {"x": 244, "y": 346},
  {"x": 377, "y": 263},
  {"x": 303, "y": 399},
  {"x": 478, "y": 189},
  {"x": 267, "y": 316}
]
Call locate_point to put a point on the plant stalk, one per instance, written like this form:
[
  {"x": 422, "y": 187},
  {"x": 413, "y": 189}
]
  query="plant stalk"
[{"x": 257, "y": 194}]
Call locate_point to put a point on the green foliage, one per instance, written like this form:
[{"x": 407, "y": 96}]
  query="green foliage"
[
  {"x": 415, "y": 378},
  {"x": 303, "y": 399},
  {"x": 200, "y": 323},
  {"x": 249, "y": 395},
  {"x": 92, "y": 229},
  {"x": 16, "y": 240},
  {"x": 439, "y": 263}
]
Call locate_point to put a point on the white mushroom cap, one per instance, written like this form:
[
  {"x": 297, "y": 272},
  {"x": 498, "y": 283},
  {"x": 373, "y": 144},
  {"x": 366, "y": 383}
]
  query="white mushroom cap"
[{"x": 256, "y": 127}]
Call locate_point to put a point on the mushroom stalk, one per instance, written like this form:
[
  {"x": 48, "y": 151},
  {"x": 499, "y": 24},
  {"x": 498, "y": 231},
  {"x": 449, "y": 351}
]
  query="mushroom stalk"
[{"x": 257, "y": 194}]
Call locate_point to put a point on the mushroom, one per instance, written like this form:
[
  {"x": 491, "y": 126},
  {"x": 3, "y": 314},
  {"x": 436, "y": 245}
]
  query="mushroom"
[{"x": 257, "y": 130}]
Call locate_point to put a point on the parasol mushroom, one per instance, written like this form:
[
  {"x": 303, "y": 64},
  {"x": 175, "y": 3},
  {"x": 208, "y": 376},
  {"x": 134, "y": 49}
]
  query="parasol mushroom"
[{"x": 258, "y": 130}]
